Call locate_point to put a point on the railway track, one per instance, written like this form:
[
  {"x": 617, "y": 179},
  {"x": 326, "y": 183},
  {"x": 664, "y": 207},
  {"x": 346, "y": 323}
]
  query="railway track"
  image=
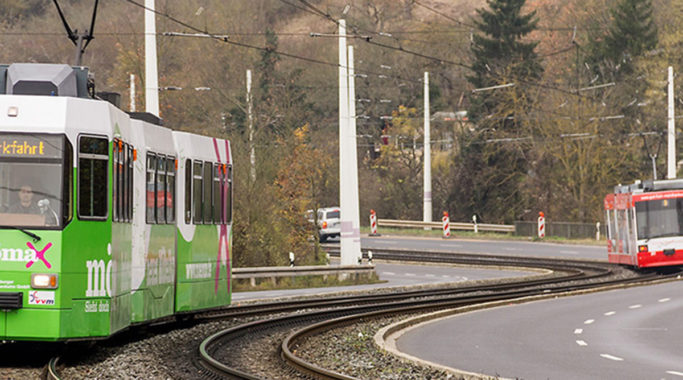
[
  {"x": 331, "y": 313},
  {"x": 281, "y": 329}
]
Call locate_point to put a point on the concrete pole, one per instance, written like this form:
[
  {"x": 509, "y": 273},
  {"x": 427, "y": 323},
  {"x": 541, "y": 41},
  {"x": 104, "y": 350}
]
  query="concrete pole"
[
  {"x": 348, "y": 256},
  {"x": 671, "y": 130},
  {"x": 250, "y": 118},
  {"x": 132, "y": 92},
  {"x": 151, "y": 73},
  {"x": 427, "y": 159},
  {"x": 353, "y": 160}
]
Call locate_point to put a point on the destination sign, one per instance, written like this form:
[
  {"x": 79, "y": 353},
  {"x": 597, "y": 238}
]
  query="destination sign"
[{"x": 31, "y": 146}]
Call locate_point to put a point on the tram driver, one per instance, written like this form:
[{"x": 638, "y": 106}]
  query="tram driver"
[{"x": 26, "y": 204}]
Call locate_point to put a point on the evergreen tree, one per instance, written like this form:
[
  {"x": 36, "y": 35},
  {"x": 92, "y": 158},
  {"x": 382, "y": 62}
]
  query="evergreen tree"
[
  {"x": 632, "y": 33},
  {"x": 500, "y": 55},
  {"x": 494, "y": 163}
]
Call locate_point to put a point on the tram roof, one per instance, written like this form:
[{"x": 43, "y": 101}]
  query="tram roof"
[{"x": 650, "y": 185}]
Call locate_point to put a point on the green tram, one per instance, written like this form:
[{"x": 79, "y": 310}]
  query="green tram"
[{"x": 107, "y": 219}]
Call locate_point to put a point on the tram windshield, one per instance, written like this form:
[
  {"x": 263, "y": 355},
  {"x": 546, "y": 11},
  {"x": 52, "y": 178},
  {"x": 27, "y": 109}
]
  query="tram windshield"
[
  {"x": 659, "y": 218},
  {"x": 32, "y": 181}
]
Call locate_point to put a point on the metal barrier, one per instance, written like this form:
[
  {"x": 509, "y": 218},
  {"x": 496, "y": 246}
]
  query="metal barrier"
[
  {"x": 341, "y": 271},
  {"x": 437, "y": 225},
  {"x": 567, "y": 230}
]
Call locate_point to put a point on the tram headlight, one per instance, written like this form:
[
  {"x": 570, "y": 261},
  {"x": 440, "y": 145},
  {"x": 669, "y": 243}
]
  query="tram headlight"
[
  {"x": 44, "y": 281},
  {"x": 642, "y": 248}
]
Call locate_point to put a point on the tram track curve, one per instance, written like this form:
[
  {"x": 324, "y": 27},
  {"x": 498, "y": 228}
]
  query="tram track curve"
[{"x": 578, "y": 275}]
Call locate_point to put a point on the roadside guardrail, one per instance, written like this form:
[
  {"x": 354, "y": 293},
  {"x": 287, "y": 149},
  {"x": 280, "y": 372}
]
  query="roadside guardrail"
[
  {"x": 309, "y": 270},
  {"x": 437, "y": 225}
]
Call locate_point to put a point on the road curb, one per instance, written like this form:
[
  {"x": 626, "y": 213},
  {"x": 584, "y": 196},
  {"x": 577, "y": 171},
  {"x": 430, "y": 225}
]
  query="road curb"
[{"x": 385, "y": 338}]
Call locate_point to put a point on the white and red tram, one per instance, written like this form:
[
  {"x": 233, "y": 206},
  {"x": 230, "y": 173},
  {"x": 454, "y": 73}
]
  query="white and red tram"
[{"x": 645, "y": 223}]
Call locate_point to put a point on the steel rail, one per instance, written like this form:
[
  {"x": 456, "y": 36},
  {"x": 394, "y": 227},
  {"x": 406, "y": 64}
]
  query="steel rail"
[
  {"x": 293, "y": 339},
  {"x": 52, "y": 373},
  {"x": 601, "y": 269},
  {"x": 576, "y": 271}
]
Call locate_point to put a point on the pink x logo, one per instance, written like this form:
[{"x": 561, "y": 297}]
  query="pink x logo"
[{"x": 40, "y": 255}]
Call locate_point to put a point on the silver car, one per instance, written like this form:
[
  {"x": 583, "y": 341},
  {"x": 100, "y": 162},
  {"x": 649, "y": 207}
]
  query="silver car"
[{"x": 328, "y": 223}]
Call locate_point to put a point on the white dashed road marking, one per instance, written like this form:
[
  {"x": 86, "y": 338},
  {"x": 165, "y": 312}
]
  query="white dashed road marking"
[
  {"x": 635, "y": 306},
  {"x": 664, "y": 300},
  {"x": 581, "y": 343},
  {"x": 610, "y": 357},
  {"x": 578, "y": 331},
  {"x": 610, "y": 313},
  {"x": 511, "y": 249},
  {"x": 675, "y": 373},
  {"x": 410, "y": 274},
  {"x": 569, "y": 252},
  {"x": 389, "y": 273},
  {"x": 588, "y": 321},
  {"x": 430, "y": 275}
]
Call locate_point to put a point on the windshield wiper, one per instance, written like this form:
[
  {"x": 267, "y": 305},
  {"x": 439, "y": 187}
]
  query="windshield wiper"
[{"x": 33, "y": 236}]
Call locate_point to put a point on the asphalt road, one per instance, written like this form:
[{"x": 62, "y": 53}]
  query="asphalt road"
[
  {"x": 496, "y": 247},
  {"x": 395, "y": 275},
  {"x": 405, "y": 275},
  {"x": 633, "y": 333}
]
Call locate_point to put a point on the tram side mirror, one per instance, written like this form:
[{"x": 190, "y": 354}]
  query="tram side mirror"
[
  {"x": 43, "y": 204},
  {"x": 51, "y": 218}
]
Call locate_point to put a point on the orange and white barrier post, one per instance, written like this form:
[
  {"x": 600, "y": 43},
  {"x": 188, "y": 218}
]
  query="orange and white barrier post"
[
  {"x": 373, "y": 223},
  {"x": 446, "y": 225},
  {"x": 541, "y": 225}
]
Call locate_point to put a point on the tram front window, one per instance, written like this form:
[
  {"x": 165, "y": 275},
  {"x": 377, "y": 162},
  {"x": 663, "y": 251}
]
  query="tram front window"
[
  {"x": 659, "y": 218},
  {"x": 32, "y": 171}
]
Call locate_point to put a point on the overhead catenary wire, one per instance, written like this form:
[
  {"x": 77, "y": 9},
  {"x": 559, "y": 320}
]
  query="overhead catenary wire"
[{"x": 226, "y": 39}]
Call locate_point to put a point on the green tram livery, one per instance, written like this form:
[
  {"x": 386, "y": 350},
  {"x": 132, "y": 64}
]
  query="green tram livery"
[{"x": 107, "y": 219}]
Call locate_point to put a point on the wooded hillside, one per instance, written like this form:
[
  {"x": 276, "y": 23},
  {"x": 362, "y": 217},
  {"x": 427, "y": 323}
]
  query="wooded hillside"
[{"x": 551, "y": 142}]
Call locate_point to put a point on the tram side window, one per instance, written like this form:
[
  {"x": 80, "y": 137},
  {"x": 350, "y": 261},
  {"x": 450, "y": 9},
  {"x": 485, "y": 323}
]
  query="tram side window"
[
  {"x": 623, "y": 235},
  {"x": 170, "y": 189},
  {"x": 67, "y": 210},
  {"x": 93, "y": 162},
  {"x": 129, "y": 187},
  {"x": 218, "y": 171},
  {"x": 197, "y": 192},
  {"x": 115, "y": 187},
  {"x": 188, "y": 191},
  {"x": 228, "y": 196},
  {"x": 160, "y": 190},
  {"x": 119, "y": 186},
  {"x": 149, "y": 188},
  {"x": 125, "y": 215},
  {"x": 206, "y": 199}
]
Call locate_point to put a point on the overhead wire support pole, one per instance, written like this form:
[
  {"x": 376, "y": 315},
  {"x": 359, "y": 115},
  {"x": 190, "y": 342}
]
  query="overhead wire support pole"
[
  {"x": 151, "y": 71},
  {"x": 250, "y": 119},
  {"x": 353, "y": 148},
  {"x": 348, "y": 256},
  {"x": 671, "y": 129},
  {"x": 427, "y": 158}
]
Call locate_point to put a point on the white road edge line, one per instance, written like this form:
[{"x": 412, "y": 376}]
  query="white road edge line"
[
  {"x": 635, "y": 306},
  {"x": 675, "y": 373},
  {"x": 588, "y": 321},
  {"x": 581, "y": 343},
  {"x": 664, "y": 300},
  {"x": 610, "y": 357},
  {"x": 609, "y": 313},
  {"x": 578, "y": 331}
]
